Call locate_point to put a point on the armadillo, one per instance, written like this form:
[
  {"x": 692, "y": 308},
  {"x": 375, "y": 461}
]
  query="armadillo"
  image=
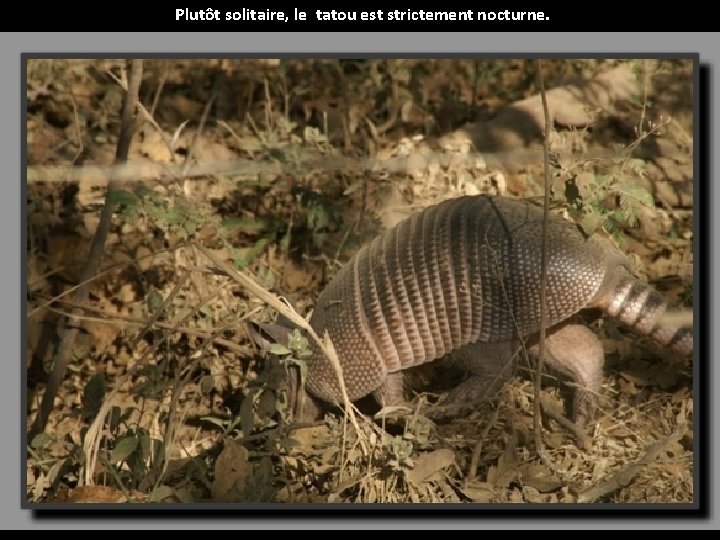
[{"x": 463, "y": 276}]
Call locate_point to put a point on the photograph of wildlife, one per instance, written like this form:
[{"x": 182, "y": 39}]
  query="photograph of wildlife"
[{"x": 372, "y": 280}]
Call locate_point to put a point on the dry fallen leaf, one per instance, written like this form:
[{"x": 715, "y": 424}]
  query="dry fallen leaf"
[
  {"x": 429, "y": 463},
  {"x": 232, "y": 471}
]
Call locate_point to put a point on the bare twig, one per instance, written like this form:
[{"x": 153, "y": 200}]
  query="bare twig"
[
  {"x": 78, "y": 130},
  {"x": 539, "y": 447},
  {"x": 477, "y": 450},
  {"x": 196, "y": 137},
  {"x": 161, "y": 85}
]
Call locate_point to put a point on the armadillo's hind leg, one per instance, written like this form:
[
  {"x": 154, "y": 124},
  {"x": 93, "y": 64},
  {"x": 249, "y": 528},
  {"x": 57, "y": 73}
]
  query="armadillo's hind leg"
[{"x": 575, "y": 351}]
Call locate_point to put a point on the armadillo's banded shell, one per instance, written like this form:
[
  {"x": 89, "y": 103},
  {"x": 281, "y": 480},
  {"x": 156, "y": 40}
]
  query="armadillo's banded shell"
[{"x": 465, "y": 270}]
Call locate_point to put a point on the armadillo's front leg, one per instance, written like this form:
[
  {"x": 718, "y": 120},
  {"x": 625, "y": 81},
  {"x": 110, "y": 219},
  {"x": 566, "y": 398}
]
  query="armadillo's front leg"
[
  {"x": 304, "y": 407},
  {"x": 489, "y": 365},
  {"x": 392, "y": 391}
]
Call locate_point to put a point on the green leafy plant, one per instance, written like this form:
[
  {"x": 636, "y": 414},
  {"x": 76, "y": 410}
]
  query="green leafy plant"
[{"x": 589, "y": 196}]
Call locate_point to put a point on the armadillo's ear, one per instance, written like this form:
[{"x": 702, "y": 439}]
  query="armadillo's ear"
[{"x": 265, "y": 334}]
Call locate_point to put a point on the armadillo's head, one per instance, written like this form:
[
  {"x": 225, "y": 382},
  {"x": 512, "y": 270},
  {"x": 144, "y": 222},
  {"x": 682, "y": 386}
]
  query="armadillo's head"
[
  {"x": 283, "y": 332},
  {"x": 264, "y": 335}
]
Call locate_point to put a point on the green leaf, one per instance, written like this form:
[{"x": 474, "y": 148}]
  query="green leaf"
[
  {"x": 604, "y": 181},
  {"x": 94, "y": 395},
  {"x": 174, "y": 216},
  {"x": 143, "y": 192},
  {"x": 277, "y": 153},
  {"x": 124, "y": 447},
  {"x": 219, "y": 422},
  {"x": 154, "y": 300},
  {"x": 279, "y": 349},
  {"x": 353, "y": 187},
  {"x": 267, "y": 405},
  {"x": 41, "y": 440},
  {"x": 158, "y": 450},
  {"x": 591, "y": 222},
  {"x": 638, "y": 166},
  {"x": 125, "y": 417},
  {"x": 247, "y": 257},
  {"x": 635, "y": 100},
  {"x": 265, "y": 276},
  {"x": 638, "y": 194},
  {"x": 297, "y": 341},
  {"x": 115, "y": 417},
  {"x": 145, "y": 443},
  {"x": 317, "y": 220},
  {"x": 190, "y": 227},
  {"x": 246, "y": 224},
  {"x": 122, "y": 196},
  {"x": 247, "y": 416},
  {"x": 285, "y": 241},
  {"x": 185, "y": 495},
  {"x": 288, "y": 444},
  {"x": 161, "y": 493}
]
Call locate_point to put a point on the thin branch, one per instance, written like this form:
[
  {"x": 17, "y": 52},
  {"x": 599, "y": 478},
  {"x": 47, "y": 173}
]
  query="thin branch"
[
  {"x": 161, "y": 85},
  {"x": 198, "y": 132},
  {"x": 537, "y": 423},
  {"x": 78, "y": 130}
]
